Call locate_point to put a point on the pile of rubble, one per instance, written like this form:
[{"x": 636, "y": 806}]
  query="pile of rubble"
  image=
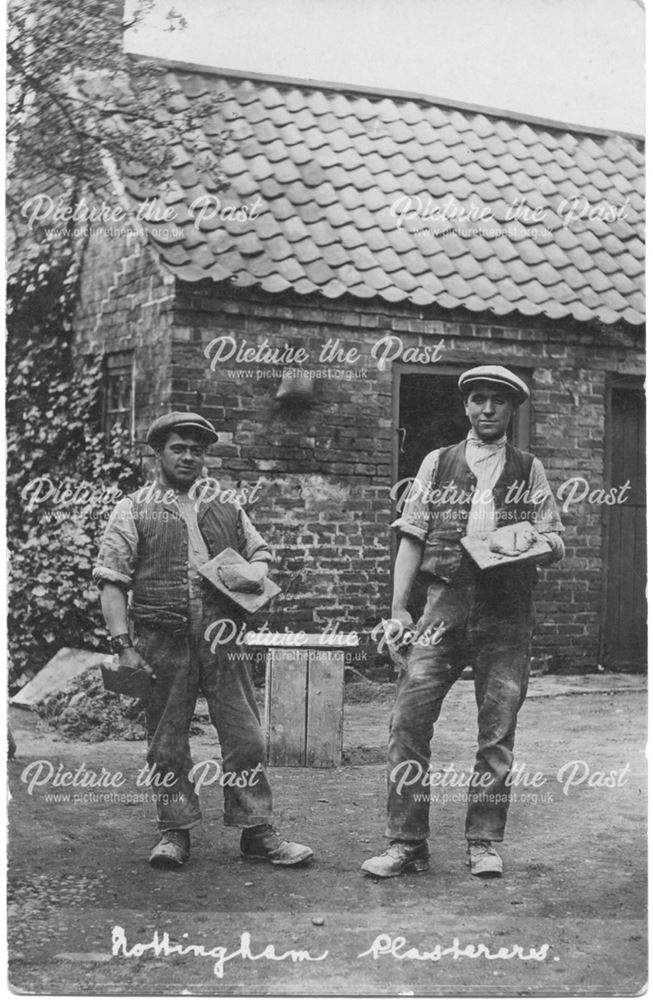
[{"x": 83, "y": 710}]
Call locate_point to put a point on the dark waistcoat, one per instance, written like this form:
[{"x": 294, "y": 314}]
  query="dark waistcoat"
[
  {"x": 452, "y": 489},
  {"x": 160, "y": 583}
]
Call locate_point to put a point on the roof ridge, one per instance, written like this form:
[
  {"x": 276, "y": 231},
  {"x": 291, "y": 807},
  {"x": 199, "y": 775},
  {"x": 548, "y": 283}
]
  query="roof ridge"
[{"x": 383, "y": 92}]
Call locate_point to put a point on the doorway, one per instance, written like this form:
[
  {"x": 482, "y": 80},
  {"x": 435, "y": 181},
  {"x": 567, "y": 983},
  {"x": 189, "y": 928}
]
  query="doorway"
[
  {"x": 428, "y": 413},
  {"x": 623, "y": 645}
]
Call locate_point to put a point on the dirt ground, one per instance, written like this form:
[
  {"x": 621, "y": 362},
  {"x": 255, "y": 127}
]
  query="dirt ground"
[{"x": 573, "y": 895}]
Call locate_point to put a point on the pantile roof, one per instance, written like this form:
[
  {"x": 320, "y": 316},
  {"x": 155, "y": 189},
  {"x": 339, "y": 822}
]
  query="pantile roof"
[{"x": 403, "y": 198}]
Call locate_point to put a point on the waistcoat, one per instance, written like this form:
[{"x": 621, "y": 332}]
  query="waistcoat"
[
  {"x": 451, "y": 502},
  {"x": 160, "y": 582}
]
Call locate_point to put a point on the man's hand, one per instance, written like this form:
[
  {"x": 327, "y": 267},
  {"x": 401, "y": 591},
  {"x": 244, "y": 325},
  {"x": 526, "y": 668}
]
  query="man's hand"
[
  {"x": 513, "y": 539},
  {"x": 394, "y": 629},
  {"x": 132, "y": 658},
  {"x": 246, "y": 578},
  {"x": 398, "y": 624},
  {"x": 131, "y": 676}
]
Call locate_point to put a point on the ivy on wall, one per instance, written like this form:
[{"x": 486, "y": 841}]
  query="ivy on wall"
[{"x": 60, "y": 473}]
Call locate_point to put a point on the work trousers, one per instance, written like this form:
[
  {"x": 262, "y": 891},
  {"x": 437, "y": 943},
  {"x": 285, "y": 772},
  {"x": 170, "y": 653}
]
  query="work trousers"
[
  {"x": 185, "y": 666},
  {"x": 478, "y": 619}
]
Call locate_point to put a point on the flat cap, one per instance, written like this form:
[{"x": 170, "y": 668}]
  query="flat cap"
[
  {"x": 179, "y": 422},
  {"x": 495, "y": 375}
]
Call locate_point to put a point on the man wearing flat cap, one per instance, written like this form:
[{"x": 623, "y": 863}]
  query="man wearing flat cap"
[
  {"x": 481, "y": 495},
  {"x": 153, "y": 546}
]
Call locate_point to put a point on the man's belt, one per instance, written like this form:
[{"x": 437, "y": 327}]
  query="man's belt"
[{"x": 160, "y": 618}]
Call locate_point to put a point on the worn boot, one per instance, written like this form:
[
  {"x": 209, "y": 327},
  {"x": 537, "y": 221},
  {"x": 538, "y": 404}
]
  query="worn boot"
[
  {"x": 172, "y": 851},
  {"x": 483, "y": 860},
  {"x": 402, "y": 856},
  {"x": 263, "y": 843}
]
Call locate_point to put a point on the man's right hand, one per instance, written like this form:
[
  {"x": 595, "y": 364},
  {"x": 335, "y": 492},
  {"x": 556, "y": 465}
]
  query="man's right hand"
[
  {"x": 132, "y": 658},
  {"x": 394, "y": 630},
  {"x": 401, "y": 620}
]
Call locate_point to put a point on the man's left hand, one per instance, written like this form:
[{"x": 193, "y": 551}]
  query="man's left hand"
[
  {"x": 248, "y": 579},
  {"x": 513, "y": 539}
]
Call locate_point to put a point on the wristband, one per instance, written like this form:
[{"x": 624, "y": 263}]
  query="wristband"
[{"x": 121, "y": 642}]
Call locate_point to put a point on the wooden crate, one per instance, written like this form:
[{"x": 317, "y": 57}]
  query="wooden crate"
[{"x": 304, "y": 703}]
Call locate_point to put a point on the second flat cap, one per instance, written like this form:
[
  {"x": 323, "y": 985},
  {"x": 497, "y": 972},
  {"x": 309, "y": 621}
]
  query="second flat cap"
[
  {"x": 178, "y": 421},
  {"x": 495, "y": 375}
]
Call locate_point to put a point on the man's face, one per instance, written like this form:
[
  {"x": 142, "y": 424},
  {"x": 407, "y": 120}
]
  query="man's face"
[
  {"x": 181, "y": 459},
  {"x": 489, "y": 410}
]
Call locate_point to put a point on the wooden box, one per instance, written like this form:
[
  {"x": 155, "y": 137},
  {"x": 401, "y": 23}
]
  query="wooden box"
[{"x": 304, "y": 704}]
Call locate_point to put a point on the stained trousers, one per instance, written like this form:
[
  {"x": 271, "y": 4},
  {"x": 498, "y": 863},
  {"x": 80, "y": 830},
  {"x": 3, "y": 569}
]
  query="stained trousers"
[
  {"x": 482, "y": 619},
  {"x": 185, "y": 666}
]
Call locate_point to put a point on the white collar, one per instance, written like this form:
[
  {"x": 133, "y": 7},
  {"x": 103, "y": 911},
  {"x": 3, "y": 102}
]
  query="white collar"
[{"x": 489, "y": 446}]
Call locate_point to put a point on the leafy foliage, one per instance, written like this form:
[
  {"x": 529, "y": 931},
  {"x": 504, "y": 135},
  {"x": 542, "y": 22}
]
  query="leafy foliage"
[
  {"x": 78, "y": 107},
  {"x": 63, "y": 479}
]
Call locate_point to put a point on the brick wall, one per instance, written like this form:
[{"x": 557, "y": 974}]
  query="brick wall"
[
  {"x": 324, "y": 471},
  {"x": 328, "y": 468},
  {"x": 125, "y": 304}
]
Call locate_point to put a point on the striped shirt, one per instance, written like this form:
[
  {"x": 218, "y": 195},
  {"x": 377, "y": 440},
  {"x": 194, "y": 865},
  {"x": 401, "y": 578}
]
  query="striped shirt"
[{"x": 119, "y": 550}]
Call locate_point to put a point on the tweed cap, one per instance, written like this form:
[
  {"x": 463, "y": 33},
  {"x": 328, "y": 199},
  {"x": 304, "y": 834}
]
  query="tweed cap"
[
  {"x": 179, "y": 422},
  {"x": 495, "y": 375}
]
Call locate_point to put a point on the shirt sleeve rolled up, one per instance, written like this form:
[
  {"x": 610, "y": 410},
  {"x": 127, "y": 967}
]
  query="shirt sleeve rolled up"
[
  {"x": 117, "y": 556},
  {"x": 547, "y": 519},
  {"x": 251, "y": 545},
  {"x": 415, "y": 513}
]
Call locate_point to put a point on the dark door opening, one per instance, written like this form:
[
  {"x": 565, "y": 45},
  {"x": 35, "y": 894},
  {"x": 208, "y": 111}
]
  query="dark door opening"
[
  {"x": 429, "y": 413},
  {"x": 430, "y": 416}
]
